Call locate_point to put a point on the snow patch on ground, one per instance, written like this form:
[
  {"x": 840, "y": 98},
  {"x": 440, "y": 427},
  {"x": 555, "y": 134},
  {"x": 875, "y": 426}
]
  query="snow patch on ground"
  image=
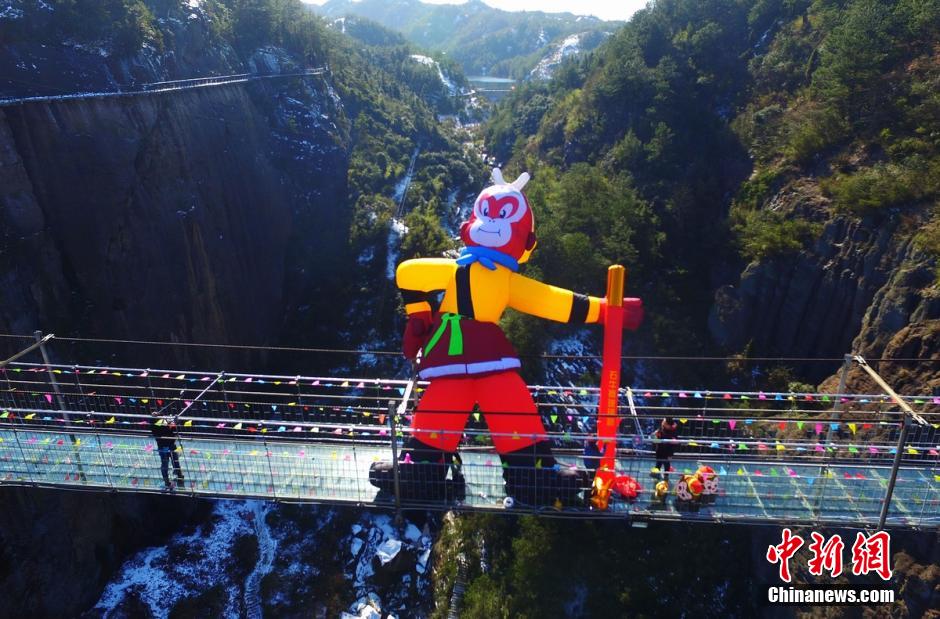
[
  {"x": 160, "y": 581},
  {"x": 366, "y": 256},
  {"x": 339, "y": 23},
  {"x": 396, "y": 231},
  {"x": 267, "y": 546},
  {"x": 448, "y": 83},
  {"x": 575, "y": 606},
  {"x": 568, "y": 371},
  {"x": 423, "y": 60},
  {"x": 10, "y": 12},
  {"x": 547, "y": 65}
]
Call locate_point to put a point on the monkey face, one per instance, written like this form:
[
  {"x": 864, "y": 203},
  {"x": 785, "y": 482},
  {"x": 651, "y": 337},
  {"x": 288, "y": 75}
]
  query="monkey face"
[
  {"x": 682, "y": 490},
  {"x": 711, "y": 485},
  {"x": 501, "y": 220}
]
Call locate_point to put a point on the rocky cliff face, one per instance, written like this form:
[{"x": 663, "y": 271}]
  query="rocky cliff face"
[
  {"x": 199, "y": 215},
  {"x": 33, "y": 66},
  {"x": 185, "y": 215},
  {"x": 862, "y": 287}
]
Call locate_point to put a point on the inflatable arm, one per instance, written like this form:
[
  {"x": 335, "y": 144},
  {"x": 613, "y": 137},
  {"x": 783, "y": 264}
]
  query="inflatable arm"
[
  {"x": 417, "y": 278},
  {"x": 553, "y": 303}
]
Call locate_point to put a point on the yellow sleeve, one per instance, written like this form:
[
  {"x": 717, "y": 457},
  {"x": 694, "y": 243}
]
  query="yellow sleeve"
[
  {"x": 551, "y": 302},
  {"x": 420, "y": 276}
]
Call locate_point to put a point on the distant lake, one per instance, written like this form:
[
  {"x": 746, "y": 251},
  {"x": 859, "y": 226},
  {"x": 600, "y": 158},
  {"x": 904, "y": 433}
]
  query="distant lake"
[{"x": 486, "y": 79}]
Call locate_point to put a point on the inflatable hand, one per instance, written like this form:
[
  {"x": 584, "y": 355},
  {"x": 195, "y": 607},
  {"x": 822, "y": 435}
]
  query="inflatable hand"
[
  {"x": 416, "y": 333},
  {"x": 632, "y": 313}
]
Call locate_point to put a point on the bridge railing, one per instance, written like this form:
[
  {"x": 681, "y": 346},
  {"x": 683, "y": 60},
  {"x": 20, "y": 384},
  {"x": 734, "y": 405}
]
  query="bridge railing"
[
  {"x": 335, "y": 470},
  {"x": 800, "y": 426},
  {"x": 780, "y": 455}
]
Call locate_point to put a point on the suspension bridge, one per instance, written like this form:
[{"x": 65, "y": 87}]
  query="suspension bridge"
[
  {"x": 844, "y": 459},
  {"x": 154, "y": 88}
]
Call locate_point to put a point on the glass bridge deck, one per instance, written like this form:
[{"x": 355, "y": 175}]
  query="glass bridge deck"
[{"x": 765, "y": 491}]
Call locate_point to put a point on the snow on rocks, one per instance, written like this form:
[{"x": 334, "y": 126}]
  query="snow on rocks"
[
  {"x": 385, "y": 564},
  {"x": 412, "y": 533},
  {"x": 388, "y": 550},
  {"x": 368, "y": 607}
]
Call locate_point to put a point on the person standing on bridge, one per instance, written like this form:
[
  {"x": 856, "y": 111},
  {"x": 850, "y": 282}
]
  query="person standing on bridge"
[
  {"x": 469, "y": 361},
  {"x": 164, "y": 432},
  {"x": 665, "y": 447}
]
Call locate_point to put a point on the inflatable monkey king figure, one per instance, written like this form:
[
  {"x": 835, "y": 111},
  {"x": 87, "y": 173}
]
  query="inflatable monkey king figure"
[{"x": 469, "y": 361}]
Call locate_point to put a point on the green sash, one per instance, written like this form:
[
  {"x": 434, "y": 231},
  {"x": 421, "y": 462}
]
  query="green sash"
[{"x": 455, "y": 346}]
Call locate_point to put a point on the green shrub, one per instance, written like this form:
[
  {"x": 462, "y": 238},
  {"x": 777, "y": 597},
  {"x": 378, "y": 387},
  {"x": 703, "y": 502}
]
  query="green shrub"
[
  {"x": 883, "y": 185},
  {"x": 755, "y": 190},
  {"x": 765, "y": 234},
  {"x": 928, "y": 240},
  {"x": 813, "y": 132}
]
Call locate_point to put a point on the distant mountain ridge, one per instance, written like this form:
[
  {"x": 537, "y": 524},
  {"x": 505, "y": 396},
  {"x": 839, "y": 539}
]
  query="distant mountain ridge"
[{"x": 482, "y": 39}]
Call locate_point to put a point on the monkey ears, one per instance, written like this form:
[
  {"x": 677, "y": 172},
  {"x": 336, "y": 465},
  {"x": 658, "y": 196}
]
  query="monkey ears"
[{"x": 517, "y": 184}]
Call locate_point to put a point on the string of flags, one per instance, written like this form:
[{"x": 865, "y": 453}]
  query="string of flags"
[
  {"x": 399, "y": 385},
  {"x": 728, "y": 441},
  {"x": 852, "y": 426}
]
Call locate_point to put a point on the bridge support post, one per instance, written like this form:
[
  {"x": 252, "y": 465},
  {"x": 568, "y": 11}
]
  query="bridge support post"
[
  {"x": 889, "y": 491},
  {"x": 393, "y": 433},
  {"x": 27, "y": 350},
  {"x": 59, "y": 401}
]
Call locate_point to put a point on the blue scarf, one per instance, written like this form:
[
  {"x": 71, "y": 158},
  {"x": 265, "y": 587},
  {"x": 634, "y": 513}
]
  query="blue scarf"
[{"x": 487, "y": 257}]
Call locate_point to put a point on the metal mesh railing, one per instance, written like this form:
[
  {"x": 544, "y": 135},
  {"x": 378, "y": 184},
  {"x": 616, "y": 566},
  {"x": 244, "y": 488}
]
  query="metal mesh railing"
[{"x": 779, "y": 456}]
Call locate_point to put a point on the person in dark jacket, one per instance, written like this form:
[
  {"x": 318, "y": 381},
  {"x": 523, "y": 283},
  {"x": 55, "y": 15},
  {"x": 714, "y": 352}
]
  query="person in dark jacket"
[
  {"x": 164, "y": 432},
  {"x": 668, "y": 430}
]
